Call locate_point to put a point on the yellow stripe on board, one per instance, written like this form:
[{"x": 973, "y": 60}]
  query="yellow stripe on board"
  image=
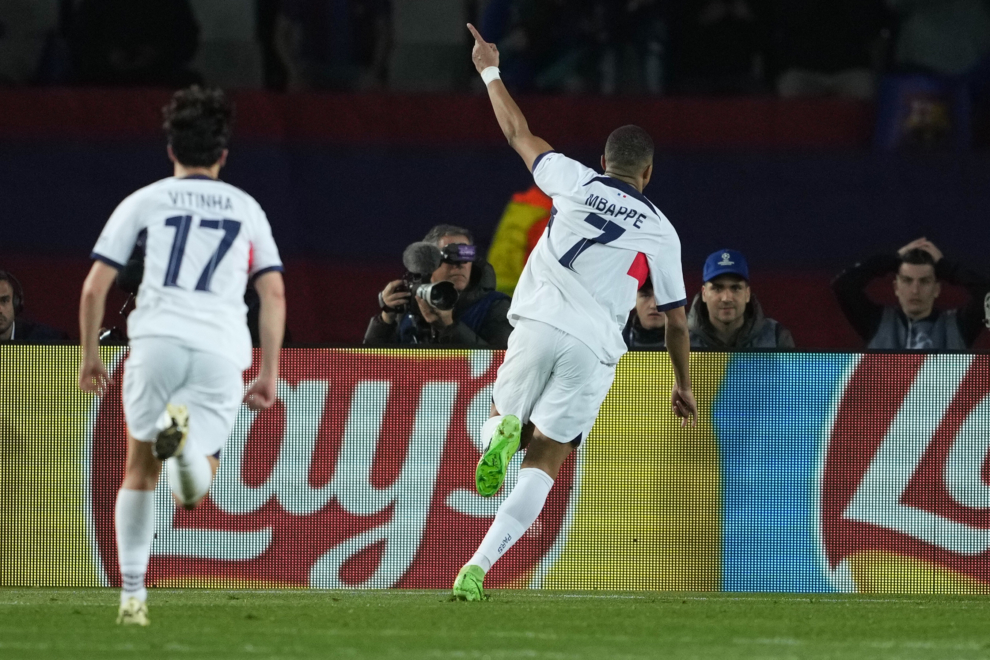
[
  {"x": 649, "y": 511},
  {"x": 43, "y": 414}
]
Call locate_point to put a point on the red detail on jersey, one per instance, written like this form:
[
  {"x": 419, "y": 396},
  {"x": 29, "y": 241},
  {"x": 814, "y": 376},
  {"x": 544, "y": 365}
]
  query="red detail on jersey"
[
  {"x": 250, "y": 257},
  {"x": 639, "y": 270}
]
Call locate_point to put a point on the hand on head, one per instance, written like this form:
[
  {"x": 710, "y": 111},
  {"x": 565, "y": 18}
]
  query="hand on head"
[{"x": 922, "y": 244}]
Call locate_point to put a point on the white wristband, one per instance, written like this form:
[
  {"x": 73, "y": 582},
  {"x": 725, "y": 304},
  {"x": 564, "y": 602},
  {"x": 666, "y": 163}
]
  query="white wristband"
[{"x": 490, "y": 74}]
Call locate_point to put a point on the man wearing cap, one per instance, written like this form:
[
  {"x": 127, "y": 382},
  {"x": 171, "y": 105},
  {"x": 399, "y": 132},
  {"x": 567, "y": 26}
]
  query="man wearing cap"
[
  {"x": 479, "y": 319},
  {"x": 726, "y": 315}
]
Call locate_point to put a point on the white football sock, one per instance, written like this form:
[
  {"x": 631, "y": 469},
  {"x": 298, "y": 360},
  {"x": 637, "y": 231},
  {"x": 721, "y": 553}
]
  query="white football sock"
[
  {"x": 488, "y": 430},
  {"x": 518, "y": 512},
  {"x": 134, "y": 519},
  {"x": 189, "y": 476}
]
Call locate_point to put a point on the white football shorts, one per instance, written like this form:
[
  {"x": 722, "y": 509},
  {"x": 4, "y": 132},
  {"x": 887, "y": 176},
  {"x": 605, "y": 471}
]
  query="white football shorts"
[
  {"x": 552, "y": 379},
  {"x": 160, "y": 370}
]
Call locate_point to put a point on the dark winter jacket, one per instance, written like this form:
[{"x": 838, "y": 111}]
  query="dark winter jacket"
[
  {"x": 29, "y": 332},
  {"x": 887, "y": 327},
  {"x": 757, "y": 331},
  {"x": 480, "y": 319},
  {"x": 638, "y": 337}
]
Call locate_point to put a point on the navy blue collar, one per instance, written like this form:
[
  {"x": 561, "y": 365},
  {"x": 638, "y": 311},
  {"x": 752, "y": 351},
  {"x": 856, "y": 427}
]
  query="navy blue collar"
[
  {"x": 627, "y": 188},
  {"x": 197, "y": 176}
]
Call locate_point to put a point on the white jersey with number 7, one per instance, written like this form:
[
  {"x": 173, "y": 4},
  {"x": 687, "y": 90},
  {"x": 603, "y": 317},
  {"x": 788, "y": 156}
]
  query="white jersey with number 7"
[
  {"x": 602, "y": 239},
  {"x": 203, "y": 240}
]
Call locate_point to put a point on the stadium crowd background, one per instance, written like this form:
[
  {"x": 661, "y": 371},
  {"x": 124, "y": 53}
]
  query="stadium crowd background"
[{"x": 808, "y": 135}]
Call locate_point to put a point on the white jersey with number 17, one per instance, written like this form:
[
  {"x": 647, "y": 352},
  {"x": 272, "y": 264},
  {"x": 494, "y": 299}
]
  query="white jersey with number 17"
[
  {"x": 603, "y": 236},
  {"x": 203, "y": 240}
]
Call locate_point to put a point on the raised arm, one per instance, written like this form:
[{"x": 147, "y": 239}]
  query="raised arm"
[{"x": 510, "y": 117}]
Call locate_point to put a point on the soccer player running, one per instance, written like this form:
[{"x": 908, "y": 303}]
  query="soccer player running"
[
  {"x": 604, "y": 238},
  {"x": 183, "y": 382}
]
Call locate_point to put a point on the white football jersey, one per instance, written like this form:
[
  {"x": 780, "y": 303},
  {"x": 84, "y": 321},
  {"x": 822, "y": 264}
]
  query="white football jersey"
[
  {"x": 583, "y": 275},
  {"x": 204, "y": 239}
]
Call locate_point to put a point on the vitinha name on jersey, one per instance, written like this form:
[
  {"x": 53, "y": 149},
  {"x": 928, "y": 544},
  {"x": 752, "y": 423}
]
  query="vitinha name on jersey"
[
  {"x": 602, "y": 205},
  {"x": 207, "y": 201}
]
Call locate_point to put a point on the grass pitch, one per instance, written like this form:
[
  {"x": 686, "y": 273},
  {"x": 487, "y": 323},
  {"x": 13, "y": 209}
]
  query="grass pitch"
[{"x": 62, "y": 623}]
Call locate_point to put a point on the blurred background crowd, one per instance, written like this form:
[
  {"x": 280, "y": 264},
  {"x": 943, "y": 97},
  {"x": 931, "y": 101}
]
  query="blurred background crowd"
[
  {"x": 656, "y": 47},
  {"x": 813, "y": 136}
]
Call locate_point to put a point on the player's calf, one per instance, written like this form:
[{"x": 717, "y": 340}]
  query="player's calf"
[{"x": 189, "y": 478}]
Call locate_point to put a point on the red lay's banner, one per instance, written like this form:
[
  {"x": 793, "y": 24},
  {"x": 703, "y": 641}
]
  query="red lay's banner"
[
  {"x": 807, "y": 472},
  {"x": 906, "y": 479},
  {"x": 362, "y": 475}
]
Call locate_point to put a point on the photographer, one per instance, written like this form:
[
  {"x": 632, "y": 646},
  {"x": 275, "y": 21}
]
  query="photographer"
[{"x": 477, "y": 319}]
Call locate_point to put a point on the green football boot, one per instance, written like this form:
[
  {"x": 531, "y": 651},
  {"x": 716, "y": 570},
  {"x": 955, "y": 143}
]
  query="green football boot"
[
  {"x": 490, "y": 473},
  {"x": 467, "y": 586}
]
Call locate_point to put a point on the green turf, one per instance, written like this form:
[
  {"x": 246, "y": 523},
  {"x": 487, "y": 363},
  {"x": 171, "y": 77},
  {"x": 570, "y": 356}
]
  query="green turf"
[{"x": 62, "y": 623}]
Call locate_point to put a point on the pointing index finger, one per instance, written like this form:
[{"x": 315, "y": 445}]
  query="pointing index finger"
[{"x": 477, "y": 36}]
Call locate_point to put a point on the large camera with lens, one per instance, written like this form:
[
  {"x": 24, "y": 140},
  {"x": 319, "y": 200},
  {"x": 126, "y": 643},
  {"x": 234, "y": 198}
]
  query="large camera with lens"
[{"x": 420, "y": 260}]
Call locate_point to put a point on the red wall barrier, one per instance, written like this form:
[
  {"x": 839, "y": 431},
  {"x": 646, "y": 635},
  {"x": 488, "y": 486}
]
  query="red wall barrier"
[{"x": 462, "y": 120}]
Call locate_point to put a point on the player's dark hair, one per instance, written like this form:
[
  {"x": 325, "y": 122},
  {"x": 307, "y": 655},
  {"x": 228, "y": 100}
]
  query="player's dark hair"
[
  {"x": 629, "y": 150},
  {"x": 918, "y": 257},
  {"x": 647, "y": 285},
  {"x": 198, "y": 124},
  {"x": 434, "y": 235}
]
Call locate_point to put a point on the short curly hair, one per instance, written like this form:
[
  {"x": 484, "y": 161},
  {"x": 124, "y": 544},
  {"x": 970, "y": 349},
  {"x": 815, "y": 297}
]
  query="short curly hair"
[
  {"x": 198, "y": 123},
  {"x": 629, "y": 149}
]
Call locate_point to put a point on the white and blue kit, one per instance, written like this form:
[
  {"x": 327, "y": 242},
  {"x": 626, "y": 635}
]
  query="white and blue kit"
[
  {"x": 189, "y": 339},
  {"x": 575, "y": 294}
]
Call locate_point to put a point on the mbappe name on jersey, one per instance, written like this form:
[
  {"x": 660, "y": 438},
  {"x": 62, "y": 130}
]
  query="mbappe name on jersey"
[
  {"x": 186, "y": 199},
  {"x": 602, "y": 205}
]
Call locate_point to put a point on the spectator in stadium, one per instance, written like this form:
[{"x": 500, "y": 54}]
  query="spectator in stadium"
[
  {"x": 548, "y": 45},
  {"x": 942, "y": 37},
  {"x": 726, "y": 315},
  {"x": 123, "y": 42},
  {"x": 14, "y": 330},
  {"x": 478, "y": 319},
  {"x": 719, "y": 46},
  {"x": 634, "y": 60},
  {"x": 333, "y": 44},
  {"x": 827, "y": 47},
  {"x": 915, "y": 323},
  {"x": 645, "y": 329}
]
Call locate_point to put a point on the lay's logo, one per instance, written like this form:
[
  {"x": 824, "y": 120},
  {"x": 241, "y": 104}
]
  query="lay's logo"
[
  {"x": 905, "y": 483},
  {"x": 361, "y": 475}
]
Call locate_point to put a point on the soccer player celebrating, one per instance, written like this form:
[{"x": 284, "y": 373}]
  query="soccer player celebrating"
[
  {"x": 568, "y": 310},
  {"x": 190, "y": 345}
]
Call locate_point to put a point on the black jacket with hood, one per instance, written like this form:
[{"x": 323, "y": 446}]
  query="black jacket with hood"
[
  {"x": 480, "y": 319},
  {"x": 757, "y": 331}
]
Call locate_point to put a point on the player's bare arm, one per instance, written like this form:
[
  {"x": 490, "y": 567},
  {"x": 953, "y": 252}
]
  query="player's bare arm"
[
  {"x": 271, "y": 328},
  {"x": 510, "y": 117},
  {"x": 682, "y": 401},
  {"x": 93, "y": 376}
]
